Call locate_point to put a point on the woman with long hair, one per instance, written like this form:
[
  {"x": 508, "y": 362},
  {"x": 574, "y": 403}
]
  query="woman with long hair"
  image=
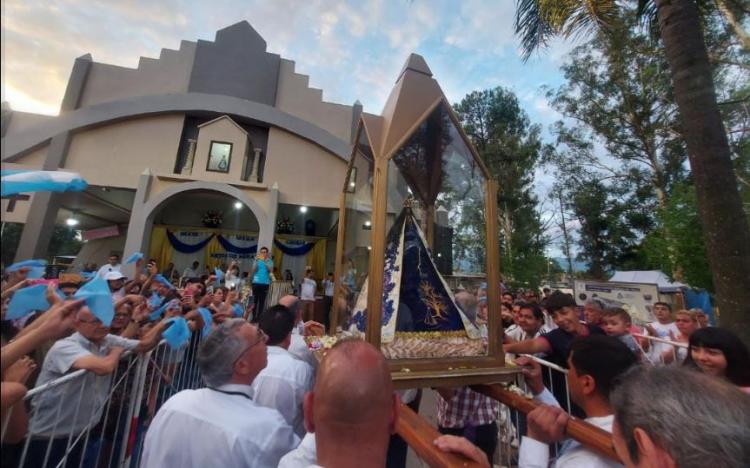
[{"x": 720, "y": 353}]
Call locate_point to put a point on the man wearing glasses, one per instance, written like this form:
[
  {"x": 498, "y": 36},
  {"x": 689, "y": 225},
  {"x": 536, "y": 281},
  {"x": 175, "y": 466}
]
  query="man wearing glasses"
[
  {"x": 221, "y": 425},
  {"x": 63, "y": 412}
]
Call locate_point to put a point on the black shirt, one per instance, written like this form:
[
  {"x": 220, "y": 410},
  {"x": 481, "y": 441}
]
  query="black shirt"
[{"x": 559, "y": 341}]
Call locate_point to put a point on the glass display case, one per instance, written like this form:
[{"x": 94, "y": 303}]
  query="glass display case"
[{"x": 414, "y": 266}]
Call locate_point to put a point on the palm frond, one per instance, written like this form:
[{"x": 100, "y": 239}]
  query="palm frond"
[
  {"x": 537, "y": 21},
  {"x": 533, "y": 29},
  {"x": 648, "y": 18}
]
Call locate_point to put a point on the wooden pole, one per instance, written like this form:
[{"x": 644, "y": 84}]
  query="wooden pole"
[
  {"x": 591, "y": 436},
  {"x": 420, "y": 436},
  {"x": 338, "y": 278}
]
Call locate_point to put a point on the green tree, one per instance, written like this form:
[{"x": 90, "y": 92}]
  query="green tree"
[
  {"x": 726, "y": 229},
  {"x": 617, "y": 93},
  {"x": 511, "y": 148},
  {"x": 9, "y": 242},
  {"x": 682, "y": 219},
  {"x": 64, "y": 241}
]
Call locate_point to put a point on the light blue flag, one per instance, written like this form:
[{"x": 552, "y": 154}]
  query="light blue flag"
[
  {"x": 207, "y": 321},
  {"x": 26, "y": 301},
  {"x": 37, "y": 268},
  {"x": 23, "y": 181},
  {"x": 156, "y": 315},
  {"x": 160, "y": 278},
  {"x": 154, "y": 301},
  {"x": 219, "y": 275},
  {"x": 134, "y": 258},
  {"x": 178, "y": 333},
  {"x": 237, "y": 310},
  {"x": 87, "y": 275},
  {"x": 98, "y": 298}
]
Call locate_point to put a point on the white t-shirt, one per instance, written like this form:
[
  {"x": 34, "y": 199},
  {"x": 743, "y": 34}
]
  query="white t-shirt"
[
  {"x": 535, "y": 454},
  {"x": 328, "y": 285},
  {"x": 305, "y": 455},
  {"x": 282, "y": 385},
  {"x": 308, "y": 289},
  {"x": 662, "y": 331}
]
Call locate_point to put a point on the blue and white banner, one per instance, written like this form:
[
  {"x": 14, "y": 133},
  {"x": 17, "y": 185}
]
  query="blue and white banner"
[
  {"x": 295, "y": 248},
  {"x": 239, "y": 247},
  {"x": 15, "y": 181},
  {"x": 185, "y": 260},
  {"x": 189, "y": 247},
  {"x": 239, "y": 244}
]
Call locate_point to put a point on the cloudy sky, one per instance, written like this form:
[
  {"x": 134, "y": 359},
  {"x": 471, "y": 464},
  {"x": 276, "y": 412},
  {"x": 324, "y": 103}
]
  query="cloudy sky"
[{"x": 350, "y": 49}]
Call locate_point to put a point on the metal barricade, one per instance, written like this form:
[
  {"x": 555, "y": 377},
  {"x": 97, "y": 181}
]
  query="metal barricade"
[
  {"x": 512, "y": 423},
  {"x": 82, "y": 420},
  {"x": 668, "y": 352}
]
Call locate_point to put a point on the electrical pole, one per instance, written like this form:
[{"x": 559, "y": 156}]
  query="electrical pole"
[{"x": 565, "y": 236}]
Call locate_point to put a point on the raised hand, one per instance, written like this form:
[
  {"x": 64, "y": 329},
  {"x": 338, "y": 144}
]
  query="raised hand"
[
  {"x": 60, "y": 317},
  {"x": 141, "y": 312},
  {"x": 532, "y": 373},
  {"x": 20, "y": 371},
  {"x": 312, "y": 328}
]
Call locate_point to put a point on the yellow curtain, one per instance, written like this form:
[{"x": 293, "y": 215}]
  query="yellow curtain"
[
  {"x": 277, "y": 256},
  {"x": 316, "y": 259},
  {"x": 160, "y": 248},
  {"x": 213, "y": 247}
]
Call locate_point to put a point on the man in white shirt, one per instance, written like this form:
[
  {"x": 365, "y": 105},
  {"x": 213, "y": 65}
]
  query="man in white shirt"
[
  {"x": 328, "y": 286},
  {"x": 530, "y": 323},
  {"x": 61, "y": 412},
  {"x": 595, "y": 362},
  {"x": 350, "y": 420},
  {"x": 285, "y": 380},
  {"x": 191, "y": 272},
  {"x": 298, "y": 346},
  {"x": 221, "y": 425},
  {"x": 113, "y": 265},
  {"x": 307, "y": 295}
]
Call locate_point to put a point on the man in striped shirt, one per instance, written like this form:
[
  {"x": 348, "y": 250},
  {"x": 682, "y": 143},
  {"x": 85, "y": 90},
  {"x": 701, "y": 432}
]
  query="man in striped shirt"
[{"x": 463, "y": 412}]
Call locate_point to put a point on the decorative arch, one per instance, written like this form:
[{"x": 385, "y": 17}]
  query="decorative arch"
[
  {"x": 18, "y": 144},
  {"x": 154, "y": 204},
  {"x": 143, "y": 215}
]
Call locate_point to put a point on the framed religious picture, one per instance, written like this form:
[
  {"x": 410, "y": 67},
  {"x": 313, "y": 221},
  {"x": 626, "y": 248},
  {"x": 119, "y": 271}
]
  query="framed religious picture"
[
  {"x": 219, "y": 156},
  {"x": 351, "y": 183}
]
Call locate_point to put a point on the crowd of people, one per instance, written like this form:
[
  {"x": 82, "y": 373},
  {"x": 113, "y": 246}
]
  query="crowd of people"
[{"x": 266, "y": 400}]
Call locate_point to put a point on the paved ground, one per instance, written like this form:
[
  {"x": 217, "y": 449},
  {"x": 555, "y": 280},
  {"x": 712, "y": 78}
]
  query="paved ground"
[{"x": 426, "y": 410}]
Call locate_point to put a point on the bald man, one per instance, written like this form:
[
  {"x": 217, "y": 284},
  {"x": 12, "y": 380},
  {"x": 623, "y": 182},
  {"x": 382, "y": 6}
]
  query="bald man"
[{"x": 352, "y": 418}]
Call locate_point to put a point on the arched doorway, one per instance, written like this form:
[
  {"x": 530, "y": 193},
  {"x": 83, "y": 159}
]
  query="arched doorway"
[
  {"x": 177, "y": 216},
  {"x": 203, "y": 226}
]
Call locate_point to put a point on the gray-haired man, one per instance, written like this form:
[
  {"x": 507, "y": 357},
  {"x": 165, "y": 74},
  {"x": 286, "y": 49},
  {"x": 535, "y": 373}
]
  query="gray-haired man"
[
  {"x": 675, "y": 417},
  {"x": 220, "y": 425}
]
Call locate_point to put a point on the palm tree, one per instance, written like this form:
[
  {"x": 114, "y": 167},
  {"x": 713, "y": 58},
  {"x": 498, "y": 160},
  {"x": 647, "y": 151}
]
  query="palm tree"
[{"x": 725, "y": 226}]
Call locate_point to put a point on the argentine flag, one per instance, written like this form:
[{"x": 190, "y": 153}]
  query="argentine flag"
[{"x": 16, "y": 181}]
